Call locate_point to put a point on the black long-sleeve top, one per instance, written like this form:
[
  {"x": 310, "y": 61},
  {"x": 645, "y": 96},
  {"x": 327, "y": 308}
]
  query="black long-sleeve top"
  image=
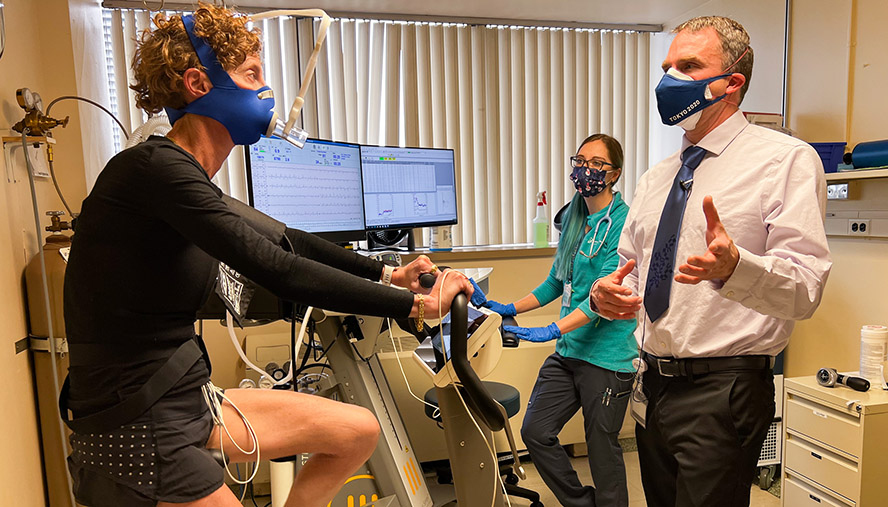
[{"x": 143, "y": 260}]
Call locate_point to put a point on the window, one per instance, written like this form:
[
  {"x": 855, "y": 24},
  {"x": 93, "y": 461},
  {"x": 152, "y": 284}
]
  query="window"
[{"x": 513, "y": 102}]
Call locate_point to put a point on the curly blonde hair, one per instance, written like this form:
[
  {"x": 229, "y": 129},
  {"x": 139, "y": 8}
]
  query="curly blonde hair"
[{"x": 165, "y": 53}]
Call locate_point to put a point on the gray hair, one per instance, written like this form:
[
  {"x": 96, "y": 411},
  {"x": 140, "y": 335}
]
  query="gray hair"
[{"x": 736, "y": 50}]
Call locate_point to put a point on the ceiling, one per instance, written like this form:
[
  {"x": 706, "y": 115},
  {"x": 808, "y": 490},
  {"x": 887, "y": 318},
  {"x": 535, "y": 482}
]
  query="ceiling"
[{"x": 619, "y": 12}]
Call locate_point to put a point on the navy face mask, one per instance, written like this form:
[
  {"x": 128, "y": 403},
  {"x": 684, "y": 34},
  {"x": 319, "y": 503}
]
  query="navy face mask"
[
  {"x": 680, "y": 99},
  {"x": 246, "y": 114},
  {"x": 588, "y": 181}
]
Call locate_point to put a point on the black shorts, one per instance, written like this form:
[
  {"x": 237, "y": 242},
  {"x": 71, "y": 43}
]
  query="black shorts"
[{"x": 161, "y": 456}]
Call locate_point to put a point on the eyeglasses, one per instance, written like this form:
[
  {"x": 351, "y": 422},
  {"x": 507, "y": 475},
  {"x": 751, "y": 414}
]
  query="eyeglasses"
[{"x": 595, "y": 163}]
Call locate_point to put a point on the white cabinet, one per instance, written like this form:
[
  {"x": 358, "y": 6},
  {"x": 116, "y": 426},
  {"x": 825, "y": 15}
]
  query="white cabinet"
[{"x": 835, "y": 445}]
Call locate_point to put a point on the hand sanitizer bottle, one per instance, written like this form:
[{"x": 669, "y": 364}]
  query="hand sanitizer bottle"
[{"x": 541, "y": 223}]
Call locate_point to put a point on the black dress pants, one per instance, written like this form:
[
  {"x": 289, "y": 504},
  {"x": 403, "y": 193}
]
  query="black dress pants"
[{"x": 703, "y": 437}]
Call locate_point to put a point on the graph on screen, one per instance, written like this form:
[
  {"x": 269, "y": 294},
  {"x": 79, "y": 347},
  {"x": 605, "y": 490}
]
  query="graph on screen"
[
  {"x": 316, "y": 189},
  {"x": 408, "y": 187}
]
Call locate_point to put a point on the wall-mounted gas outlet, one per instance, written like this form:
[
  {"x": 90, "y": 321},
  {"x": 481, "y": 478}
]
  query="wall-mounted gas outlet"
[
  {"x": 837, "y": 191},
  {"x": 859, "y": 227}
]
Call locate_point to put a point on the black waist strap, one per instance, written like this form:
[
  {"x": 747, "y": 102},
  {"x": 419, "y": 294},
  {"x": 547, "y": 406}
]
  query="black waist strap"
[
  {"x": 673, "y": 367},
  {"x": 135, "y": 405}
]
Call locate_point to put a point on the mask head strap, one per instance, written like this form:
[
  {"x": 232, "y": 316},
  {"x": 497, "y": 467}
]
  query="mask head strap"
[
  {"x": 207, "y": 56},
  {"x": 738, "y": 59}
]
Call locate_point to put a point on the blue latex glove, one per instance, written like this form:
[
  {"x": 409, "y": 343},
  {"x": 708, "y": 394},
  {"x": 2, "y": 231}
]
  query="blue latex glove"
[
  {"x": 535, "y": 334},
  {"x": 479, "y": 299},
  {"x": 504, "y": 310}
]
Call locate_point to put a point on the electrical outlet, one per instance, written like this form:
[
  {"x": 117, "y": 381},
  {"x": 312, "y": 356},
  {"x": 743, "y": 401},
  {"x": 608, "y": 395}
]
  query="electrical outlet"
[
  {"x": 837, "y": 191},
  {"x": 859, "y": 227}
]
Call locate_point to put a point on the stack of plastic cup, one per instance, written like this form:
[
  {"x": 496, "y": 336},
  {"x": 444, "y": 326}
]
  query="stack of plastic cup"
[{"x": 874, "y": 354}]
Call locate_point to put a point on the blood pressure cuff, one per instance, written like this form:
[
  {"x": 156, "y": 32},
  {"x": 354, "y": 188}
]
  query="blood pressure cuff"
[{"x": 234, "y": 289}]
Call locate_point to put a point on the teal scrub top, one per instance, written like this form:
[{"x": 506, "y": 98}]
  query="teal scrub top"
[{"x": 608, "y": 344}]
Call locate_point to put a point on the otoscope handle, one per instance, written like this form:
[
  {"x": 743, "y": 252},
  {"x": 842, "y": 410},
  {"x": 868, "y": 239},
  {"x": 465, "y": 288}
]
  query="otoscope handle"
[{"x": 856, "y": 383}]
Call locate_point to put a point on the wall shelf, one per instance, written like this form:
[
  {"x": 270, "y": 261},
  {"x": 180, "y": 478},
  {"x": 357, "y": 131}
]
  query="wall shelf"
[{"x": 858, "y": 175}]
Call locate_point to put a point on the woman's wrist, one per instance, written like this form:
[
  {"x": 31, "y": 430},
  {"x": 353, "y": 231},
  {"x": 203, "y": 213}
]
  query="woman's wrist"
[{"x": 387, "y": 274}]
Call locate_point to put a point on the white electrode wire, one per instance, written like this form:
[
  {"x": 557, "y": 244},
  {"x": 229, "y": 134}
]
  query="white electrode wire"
[
  {"x": 46, "y": 304},
  {"x": 437, "y": 411},
  {"x": 312, "y": 61},
  {"x": 501, "y": 483},
  {"x": 211, "y": 395},
  {"x": 229, "y": 321},
  {"x": 459, "y": 395}
]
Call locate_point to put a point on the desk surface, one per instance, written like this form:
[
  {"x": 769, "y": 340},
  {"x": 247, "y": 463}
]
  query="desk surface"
[{"x": 874, "y": 401}]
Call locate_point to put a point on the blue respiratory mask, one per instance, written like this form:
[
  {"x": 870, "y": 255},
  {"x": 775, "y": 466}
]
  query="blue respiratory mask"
[
  {"x": 680, "y": 99},
  {"x": 246, "y": 114}
]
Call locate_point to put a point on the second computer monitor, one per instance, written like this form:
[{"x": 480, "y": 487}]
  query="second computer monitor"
[{"x": 408, "y": 187}]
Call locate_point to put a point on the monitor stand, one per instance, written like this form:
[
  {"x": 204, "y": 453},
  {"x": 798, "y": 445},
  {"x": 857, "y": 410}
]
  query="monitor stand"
[{"x": 392, "y": 239}]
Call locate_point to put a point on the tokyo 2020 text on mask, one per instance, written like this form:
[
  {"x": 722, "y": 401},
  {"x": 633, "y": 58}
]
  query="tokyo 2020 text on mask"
[{"x": 681, "y": 99}]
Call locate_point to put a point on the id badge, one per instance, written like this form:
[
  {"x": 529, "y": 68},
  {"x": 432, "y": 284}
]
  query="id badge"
[
  {"x": 638, "y": 410},
  {"x": 638, "y": 403},
  {"x": 565, "y": 296}
]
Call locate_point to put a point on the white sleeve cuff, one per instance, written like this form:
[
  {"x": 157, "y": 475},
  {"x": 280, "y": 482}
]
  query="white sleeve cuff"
[{"x": 748, "y": 270}]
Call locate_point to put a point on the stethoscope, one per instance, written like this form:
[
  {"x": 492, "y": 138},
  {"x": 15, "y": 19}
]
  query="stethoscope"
[{"x": 606, "y": 219}]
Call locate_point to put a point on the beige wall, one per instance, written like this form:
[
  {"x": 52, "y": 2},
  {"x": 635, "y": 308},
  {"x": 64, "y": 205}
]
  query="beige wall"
[
  {"x": 837, "y": 46},
  {"x": 39, "y": 56}
]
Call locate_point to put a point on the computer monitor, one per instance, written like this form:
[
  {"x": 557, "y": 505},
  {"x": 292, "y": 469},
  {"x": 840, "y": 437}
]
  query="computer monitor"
[
  {"x": 316, "y": 189},
  {"x": 408, "y": 187}
]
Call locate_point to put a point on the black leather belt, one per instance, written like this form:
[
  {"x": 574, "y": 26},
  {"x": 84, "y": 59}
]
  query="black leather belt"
[{"x": 690, "y": 367}]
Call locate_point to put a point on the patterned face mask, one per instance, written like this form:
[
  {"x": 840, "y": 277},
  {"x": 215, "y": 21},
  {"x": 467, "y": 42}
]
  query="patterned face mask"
[{"x": 588, "y": 181}]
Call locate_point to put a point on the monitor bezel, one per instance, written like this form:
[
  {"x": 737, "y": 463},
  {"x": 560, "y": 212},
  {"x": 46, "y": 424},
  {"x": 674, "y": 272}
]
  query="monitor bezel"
[
  {"x": 333, "y": 236},
  {"x": 414, "y": 225}
]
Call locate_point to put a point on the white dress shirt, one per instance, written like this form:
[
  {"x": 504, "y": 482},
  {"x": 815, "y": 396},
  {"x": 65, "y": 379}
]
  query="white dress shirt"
[{"x": 770, "y": 193}]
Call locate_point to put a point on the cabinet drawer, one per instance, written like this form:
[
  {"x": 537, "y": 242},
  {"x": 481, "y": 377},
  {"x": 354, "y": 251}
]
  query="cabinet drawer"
[
  {"x": 828, "y": 425},
  {"x": 822, "y": 466},
  {"x": 796, "y": 493}
]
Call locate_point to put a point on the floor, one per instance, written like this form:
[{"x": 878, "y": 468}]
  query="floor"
[{"x": 444, "y": 494}]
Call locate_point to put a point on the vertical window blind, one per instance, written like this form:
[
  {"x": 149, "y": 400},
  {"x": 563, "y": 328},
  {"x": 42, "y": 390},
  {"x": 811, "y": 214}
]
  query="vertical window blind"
[{"x": 512, "y": 102}]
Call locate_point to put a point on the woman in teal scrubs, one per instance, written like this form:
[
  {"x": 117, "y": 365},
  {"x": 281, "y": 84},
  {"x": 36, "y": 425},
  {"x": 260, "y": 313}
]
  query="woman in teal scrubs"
[{"x": 592, "y": 363}]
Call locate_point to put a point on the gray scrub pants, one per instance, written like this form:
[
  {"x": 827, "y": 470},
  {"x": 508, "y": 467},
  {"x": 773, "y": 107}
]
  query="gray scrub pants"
[{"x": 563, "y": 386}]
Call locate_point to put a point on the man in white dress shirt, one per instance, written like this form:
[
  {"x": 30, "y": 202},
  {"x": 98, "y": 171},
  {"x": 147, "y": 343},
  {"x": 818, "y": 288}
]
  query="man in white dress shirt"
[{"x": 723, "y": 249}]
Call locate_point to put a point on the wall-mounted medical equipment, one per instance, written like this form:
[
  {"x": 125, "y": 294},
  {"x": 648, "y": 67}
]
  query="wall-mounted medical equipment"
[{"x": 35, "y": 121}]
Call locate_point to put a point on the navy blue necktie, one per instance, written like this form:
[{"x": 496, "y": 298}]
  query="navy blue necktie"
[{"x": 662, "y": 262}]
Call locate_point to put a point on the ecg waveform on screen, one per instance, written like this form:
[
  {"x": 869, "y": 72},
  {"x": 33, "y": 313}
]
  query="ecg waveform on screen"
[{"x": 310, "y": 196}]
